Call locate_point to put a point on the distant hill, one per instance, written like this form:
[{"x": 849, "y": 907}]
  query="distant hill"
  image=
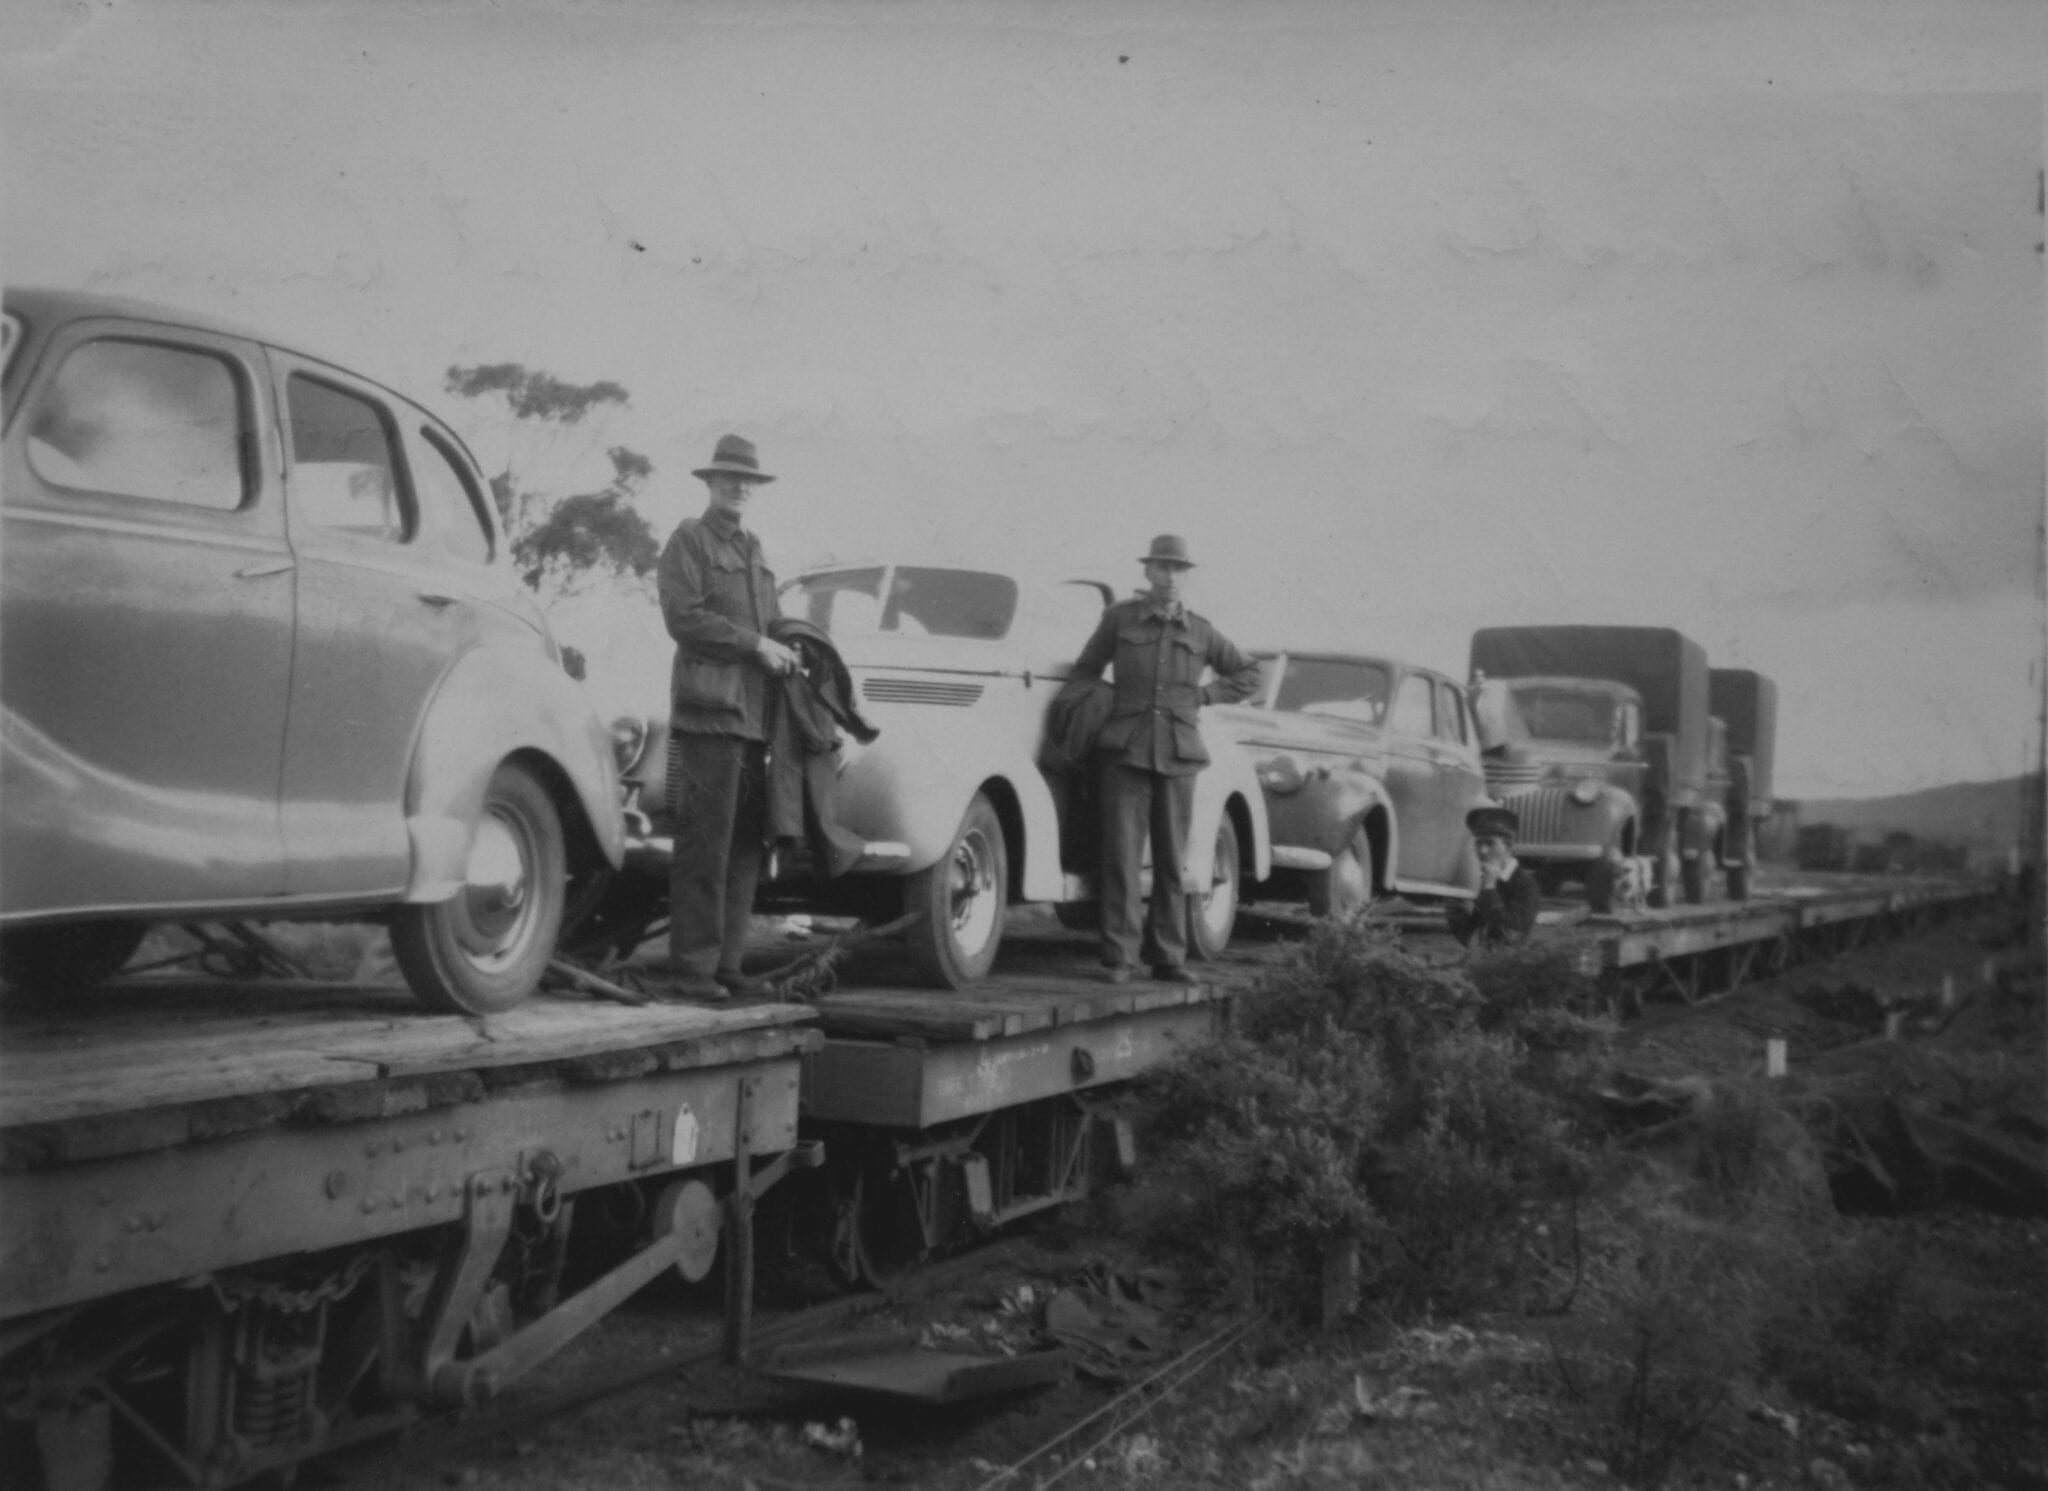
[{"x": 1982, "y": 814}]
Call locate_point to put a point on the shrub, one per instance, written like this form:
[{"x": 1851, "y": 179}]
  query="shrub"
[{"x": 1369, "y": 1098}]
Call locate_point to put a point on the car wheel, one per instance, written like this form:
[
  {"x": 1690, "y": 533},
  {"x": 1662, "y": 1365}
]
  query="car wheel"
[
  {"x": 485, "y": 947},
  {"x": 65, "y": 959},
  {"x": 1347, "y": 884},
  {"x": 1213, "y": 914},
  {"x": 958, "y": 902}
]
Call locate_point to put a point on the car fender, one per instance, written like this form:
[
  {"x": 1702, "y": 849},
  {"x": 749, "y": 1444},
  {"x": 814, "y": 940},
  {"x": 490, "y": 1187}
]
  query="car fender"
[
  {"x": 1324, "y": 812},
  {"x": 496, "y": 702},
  {"x": 1230, "y": 777},
  {"x": 912, "y": 784}
]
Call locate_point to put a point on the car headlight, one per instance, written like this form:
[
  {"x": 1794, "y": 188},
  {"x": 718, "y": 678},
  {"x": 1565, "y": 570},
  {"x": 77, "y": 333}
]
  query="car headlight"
[
  {"x": 629, "y": 741},
  {"x": 1585, "y": 792}
]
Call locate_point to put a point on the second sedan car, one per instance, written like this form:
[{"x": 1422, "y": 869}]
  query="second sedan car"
[{"x": 1368, "y": 766}]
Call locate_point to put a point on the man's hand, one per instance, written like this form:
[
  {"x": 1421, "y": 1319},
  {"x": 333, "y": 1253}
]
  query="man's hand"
[{"x": 776, "y": 658}]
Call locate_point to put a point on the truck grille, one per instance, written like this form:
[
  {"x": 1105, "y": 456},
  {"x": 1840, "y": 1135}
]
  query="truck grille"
[
  {"x": 1510, "y": 776},
  {"x": 919, "y": 691},
  {"x": 1542, "y": 813}
]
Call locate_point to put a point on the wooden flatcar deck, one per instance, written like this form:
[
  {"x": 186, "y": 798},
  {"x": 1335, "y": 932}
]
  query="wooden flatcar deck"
[{"x": 156, "y": 1061}]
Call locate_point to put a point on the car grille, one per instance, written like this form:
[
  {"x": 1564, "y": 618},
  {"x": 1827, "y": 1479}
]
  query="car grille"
[{"x": 919, "y": 691}]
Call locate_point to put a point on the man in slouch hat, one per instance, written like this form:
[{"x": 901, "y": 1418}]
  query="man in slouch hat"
[
  {"x": 718, "y": 601},
  {"x": 1149, "y": 752}
]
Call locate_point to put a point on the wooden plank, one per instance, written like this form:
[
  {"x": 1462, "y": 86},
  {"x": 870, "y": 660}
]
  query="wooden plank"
[{"x": 167, "y": 1046}]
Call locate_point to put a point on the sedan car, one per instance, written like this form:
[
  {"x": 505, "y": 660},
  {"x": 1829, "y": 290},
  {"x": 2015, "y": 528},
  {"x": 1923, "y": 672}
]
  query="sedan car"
[
  {"x": 956, "y": 667},
  {"x": 1368, "y": 767},
  {"x": 263, "y": 655}
]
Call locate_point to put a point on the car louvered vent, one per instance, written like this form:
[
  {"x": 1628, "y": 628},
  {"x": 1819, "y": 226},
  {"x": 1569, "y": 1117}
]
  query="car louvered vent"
[{"x": 918, "y": 691}]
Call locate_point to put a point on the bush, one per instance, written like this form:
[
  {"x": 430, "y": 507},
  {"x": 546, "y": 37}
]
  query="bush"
[{"x": 1371, "y": 1098}]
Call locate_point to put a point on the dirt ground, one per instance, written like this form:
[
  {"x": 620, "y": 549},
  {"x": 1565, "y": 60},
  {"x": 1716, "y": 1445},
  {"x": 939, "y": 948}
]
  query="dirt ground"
[{"x": 1472, "y": 1403}]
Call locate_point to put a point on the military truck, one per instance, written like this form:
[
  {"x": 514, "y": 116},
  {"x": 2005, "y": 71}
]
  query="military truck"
[{"x": 1604, "y": 741}]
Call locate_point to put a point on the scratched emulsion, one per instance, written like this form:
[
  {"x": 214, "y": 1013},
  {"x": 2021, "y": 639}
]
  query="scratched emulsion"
[{"x": 1412, "y": 317}]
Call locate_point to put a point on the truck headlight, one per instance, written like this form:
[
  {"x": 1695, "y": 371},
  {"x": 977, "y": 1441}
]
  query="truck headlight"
[{"x": 1585, "y": 792}]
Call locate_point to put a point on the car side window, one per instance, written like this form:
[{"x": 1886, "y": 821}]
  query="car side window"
[
  {"x": 344, "y": 466},
  {"x": 447, "y": 490},
  {"x": 142, "y": 419},
  {"x": 1412, "y": 714},
  {"x": 1450, "y": 716}
]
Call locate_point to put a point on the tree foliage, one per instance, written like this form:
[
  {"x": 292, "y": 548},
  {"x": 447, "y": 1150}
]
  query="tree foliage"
[{"x": 561, "y": 544}]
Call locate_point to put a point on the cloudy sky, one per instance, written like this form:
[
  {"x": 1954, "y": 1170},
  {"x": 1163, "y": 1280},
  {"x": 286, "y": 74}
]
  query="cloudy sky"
[{"x": 1413, "y": 316}]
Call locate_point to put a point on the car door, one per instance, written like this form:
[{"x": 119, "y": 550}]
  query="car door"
[
  {"x": 146, "y": 613},
  {"x": 1461, "y": 778},
  {"x": 382, "y": 616},
  {"x": 1412, "y": 781}
]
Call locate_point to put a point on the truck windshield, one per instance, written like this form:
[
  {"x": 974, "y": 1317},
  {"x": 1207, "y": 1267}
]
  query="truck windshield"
[
  {"x": 1562, "y": 714},
  {"x": 906, "y": 601}
]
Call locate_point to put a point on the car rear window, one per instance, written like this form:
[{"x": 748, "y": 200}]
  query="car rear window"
[
  {"x": 141, "y": 419},
  {"x": 909, "y": 601}
]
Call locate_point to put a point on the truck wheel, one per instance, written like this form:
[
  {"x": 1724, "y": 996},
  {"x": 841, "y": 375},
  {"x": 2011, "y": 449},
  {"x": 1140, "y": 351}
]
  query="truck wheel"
[
  {"x": 486, "y": 946},
  {"x": 1347, "y": 884},
  {"x": 1665, "y": 872},
  {"x": 68, "y": 958},
  {"x": 1212, "y": 914},
  {"x": 1600, "y": 886},
  {"x": 1694, "y": 877},
  {"x": 959, "y": 901}
]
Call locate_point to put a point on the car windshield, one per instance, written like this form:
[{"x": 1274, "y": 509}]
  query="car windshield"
[
  {"x": 906, "y": 601},
  {"x": 1339, "y": 687},
  {"x": 1566, "y": 714}
]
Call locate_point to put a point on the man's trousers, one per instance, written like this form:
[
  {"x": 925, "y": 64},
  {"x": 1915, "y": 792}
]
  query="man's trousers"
[
  {"x": 718, "y": 797},
  {"x": 1137, "y": 805}
]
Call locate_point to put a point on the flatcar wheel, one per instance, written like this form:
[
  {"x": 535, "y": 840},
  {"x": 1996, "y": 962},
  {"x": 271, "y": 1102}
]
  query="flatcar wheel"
[{"x": 888, "y": 1238}]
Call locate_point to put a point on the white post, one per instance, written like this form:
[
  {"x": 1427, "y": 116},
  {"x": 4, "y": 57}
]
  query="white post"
[{"x": 1774, "y": 1057}]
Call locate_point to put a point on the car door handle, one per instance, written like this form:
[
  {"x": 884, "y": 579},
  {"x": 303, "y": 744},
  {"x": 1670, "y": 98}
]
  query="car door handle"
[
  {"x": 435, "y": 600},
  {"x": 258, "y": 571}
]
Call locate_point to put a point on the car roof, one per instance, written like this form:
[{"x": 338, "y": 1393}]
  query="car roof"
[
  {"x": 42, "y": 310},
  {"x": 1608, "y": 686},
  {"x": 1325, "y": 655},
  {"x": 40, "y": 306}
]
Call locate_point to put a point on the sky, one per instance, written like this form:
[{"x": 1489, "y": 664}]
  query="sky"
[{"x": 1414, "y": 317}]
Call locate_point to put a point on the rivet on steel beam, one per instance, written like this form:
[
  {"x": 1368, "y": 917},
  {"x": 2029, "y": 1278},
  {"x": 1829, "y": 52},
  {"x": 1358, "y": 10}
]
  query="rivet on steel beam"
[
  {"x": 433, "y": 1136},
  {"x": 372, "y": 1150},
  {"x": 369, "y": 1205},
  {"x": 337, "y": 1184},
  {"x": 103, "y": 1262}
]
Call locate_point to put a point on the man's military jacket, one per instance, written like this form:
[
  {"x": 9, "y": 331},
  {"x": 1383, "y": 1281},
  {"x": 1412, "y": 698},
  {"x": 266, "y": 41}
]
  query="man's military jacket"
[
  {"x": 718, "y": 599},
  {"x": 1159, "y": 656}
]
